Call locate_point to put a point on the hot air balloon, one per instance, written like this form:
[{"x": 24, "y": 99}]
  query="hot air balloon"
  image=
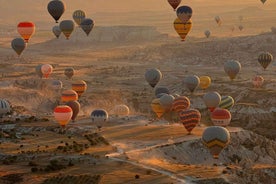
[
  {"x": 258, "y": 81},
  {"x": 87, "y": 25},
  {"x": 226, "y": 102},
  {"x": 79, "y": 86},
  {"x": 69, "y": 72},
  {"x": 207, "y": 33},
  {"x": 153, "y": 76},
  {"x": 221, "y": 117},
  {"x": 56, "y": 30},
  {"x": 205, "y": 82},
  {"x": 18, "y": 45},
  {"x": 26, "y": 30},
  {"x": 38, "y": 70},
  {"x": 215, "y": 138},
  {"x": 63, "y": 114},
  {"x": 232, "y": 68},
  {"x": 157, "y": 107},
  {"x": 218, "y": 20},
  {"x": 184, "y": 13},
  {"x": 78, "y": 16},
  {"x": 69, "y": 95},
  {"x": 181, "y": 103},
  {"x": 75, "y": 106},
  {"x": 56, "y": 8},
  {"x": 67, "y": 27},
  {"x": 189, "y": 118},
  {"x": 161, "y": 90},
  {"x": 4, "y": 107},
  {"x": 191, "y": 82},
  {"x": 46, "y": 70},
  {"x": 212, "y": 100},
  {"x": 174, "y": 3},
  {"x": 121, "y": 110},
  {"x": 56, "y": 85},
  {"x": 99, "y": 116},
  {"x": 263, "y": 1},
  {"x": 265, "y": 58},
  {"x": 166, "y": 101},
  {"x": 181, "y": 28},
  {"x": 240, "y": 27}
]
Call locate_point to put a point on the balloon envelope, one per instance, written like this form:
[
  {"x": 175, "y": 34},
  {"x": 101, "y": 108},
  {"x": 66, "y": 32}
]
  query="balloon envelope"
[
  {"x": 87, "y": 25},
  {"x": 218, "y": 20},
  {"x": 67, "y": 27},
  {"x": 212, "y": 100},
  {"x": 46, "y": 70},
  {"x": 56, "y": 85},
  {"x": 166, "y": 101},
  {"x": 69, "y": 72},
  {"x": 184, "y": 13},
  {"x": 69, "y": 95},
  {"x": 153, "y": 76},
  {"x": 121, "y": 110},
  {"x": 265, "y": 58},
  {"x": 257, "y": 81},
  {"x": 18, "y": 45},
  {"x": 207, "y": 33},
  {"x": 226, "y": 102},
  {"x": 4, "y": 107},
  {"x": 99, "y": 116},
  {"x": 79, "y": 86},
  {"x": 63, "y": 114},
  {"x": 232, "y": 68},
  {"x": 181, "y": 103},
  {"x": 75, "y": 106},
  {"x": 174, "y": 3},
  {"x": 221, "y": 117},
  {"x": 181, "y": 28},
  {"x": 205, "y": 82},
  {"x": 26, "y": 30},
  {"x": 56, "y": 8},
  {"x": 78, "y": 16},
  {"x": 161, "y": 90},
  {"x": 56, "y": 30},
  {"x": 215, "y": 138},
  {"x": 191, "y": 82},
  {"x": 189, "y": 118},
  {"x": 157, "y": 107}
]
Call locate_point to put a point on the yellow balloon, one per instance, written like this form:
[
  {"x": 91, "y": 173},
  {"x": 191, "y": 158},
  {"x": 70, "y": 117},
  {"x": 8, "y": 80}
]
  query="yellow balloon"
[
  {"x": 157, "y": 107},
  {"x": 205, "y": 82},
  {"x": 182, "y": 28}
]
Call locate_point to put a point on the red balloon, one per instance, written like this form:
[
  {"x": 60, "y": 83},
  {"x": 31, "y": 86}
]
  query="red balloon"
[
  {"x": 190, "y": 118},
  {"x": 221, "y": 117},
  {"x": 174, "y": 3},
  {"x": 181, "y": 103}
]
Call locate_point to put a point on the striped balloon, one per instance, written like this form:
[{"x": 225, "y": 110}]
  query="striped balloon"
[
  {"x": 69, "y": 72},
  {"x": 181, "y": 103},
  {"x": 46, "y": 70},
  {"x": 78, "y": 16},
  {"x": 99, "y": 116},
  {"x": 157, "y": 107},
  {"x": 67, "y": 27},
  {"x": 63, "y": 114},
  {"x": 181, "y": 28},
  {"x": 215, "y": 138},
  {"x": 265, "y": 59},
  {"x": 189, "y": 118},
  {"x": 79, "y": 86},
  {"x": 226, "y": 102},
  {"x": 26, "y": 30},
  {"x": 4, "y": 107},
  {"x": 258, "y": 81},
  {"x": 56, "y": 8},
  {"x": 221, "y": 117},
  {"x": 69, "y": 95}
]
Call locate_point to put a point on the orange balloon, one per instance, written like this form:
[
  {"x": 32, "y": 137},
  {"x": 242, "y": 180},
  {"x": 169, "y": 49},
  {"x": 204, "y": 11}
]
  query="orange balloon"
[
  {"x": 69, "y": 95},
  {"x": 79, "y": 86},
  {"x": 26, "y": 30},
  {"x": 63, "y": 114}
]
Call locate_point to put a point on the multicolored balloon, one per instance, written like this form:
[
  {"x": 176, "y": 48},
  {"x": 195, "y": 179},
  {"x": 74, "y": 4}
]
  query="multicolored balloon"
[
  {"x": 232, "y": 68},
  {"x": 265, "y": 58},
  {"x": 212, "y": 100},
  {"x": 56, "y": 85},
  {"x": 153, "y": 76},
  {"x": 26, "y": 30},
  {"x": 63, "y": 114},
  {"x": 157, "y": 107},
  {"x": 181, "y": 28},
  {"x": 75, "y": 106},
  {"x": 174, "y": 3},
  {"x": 258, "y": 81},
  {"x": 69, "y": 72},
  {"x": 56, "y": 8},
  {"x": 79, "y": 86},
  {"x": 46, "y": 70},
  {"x": 67, "y": 27},
  {"x": 18, "y": 45},
  {"x": 221, "y": 117},
  {"x": 184, "y": 13},
  {"x": 227, "y": 102},
  {"x": 205, "y": 82},
  {"x": 189, "y": 118},
  {"x": 78, "y": 16},
  {"x": 181, "y": 103},
  {"x": 191, "y": 82},
  {"x": 69, "y": 95},
  {"x": 216, "y": 138},
  {"x": 99, "y": 117},
  {"x": 4, "y": 107}
]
